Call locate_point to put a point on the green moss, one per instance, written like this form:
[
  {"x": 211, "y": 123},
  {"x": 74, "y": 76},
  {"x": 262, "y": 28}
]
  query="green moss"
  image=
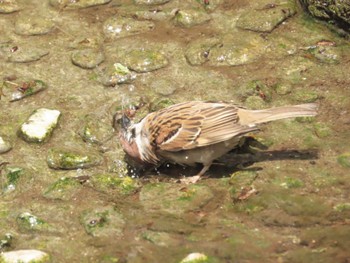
[
  {"x": 109, "y": 259},
  {"x": 6, "y": 241},
  {"x": 121, "y": 69},
  {"x": 344, "y": 160},
  {"x": 188, "y": 194},
  {"x": 13, "y": 175},
  {"x": 342, "y": 207},
  {"x": 290, "y": 182},
  {"x": 125, "y": 185},
  {"x": 196, "y": 258},
  {"x": 62, "y": 184},
  {"x": 65, "y": 159},
  {"x": 100, "y": 220},
  {"x": 322, "y": 130},
  {"x": 305, "y": 96},
  {"x": 27, "y": 221},
  {"x": 63, "y": 189}
]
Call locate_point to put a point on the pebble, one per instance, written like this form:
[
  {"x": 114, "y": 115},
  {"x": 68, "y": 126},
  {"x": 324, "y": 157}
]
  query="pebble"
[
  {"x": 24, "y": 256},
  {"x": 25, "y": 53},
  {"x": 27, "y": 88},
  {"x": 87, "y": 58},
  {"x": 195, "y": 258},
  {"x": 117, "y": 27},
  {"x": 145, "y": 60},
  {"x": 197, "y": 52},
  {"x": 114, "y": 74},
  {"x": 67, "y": 159},
  {"x": 189, "y": 18},
  {"x": 33, "y": 25},
  {"x": 265, "y": 19},
  {"x": 40, "y": 125},
  {"x": 5, "y": 145},
  {"x": 103, "y": 222}
]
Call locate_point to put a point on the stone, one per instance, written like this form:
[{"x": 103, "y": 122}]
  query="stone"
[
  {"x": 40, "y": 125},
  {"x": 9, "y": 6},
  {"x": 190, "y": 17},
  {"x": 115, "y": 74},
  {"x": 33, "y": 25},
  {"x": 117, "y": 27},
  {"x": 62, "y": 189},
  {"x": 5, "y": 145},
  {"x": 103, "y": 222},
  {"x": 197, "y": 52},
  {"x": 87, "y": 58},
  {"x": 266, "y": 18},
  {"x": 24, "y": 256},
  {"x": 26, "y": 53},
  {"x": 67, "y": 159},
  {"x": 143, "y": 61}
]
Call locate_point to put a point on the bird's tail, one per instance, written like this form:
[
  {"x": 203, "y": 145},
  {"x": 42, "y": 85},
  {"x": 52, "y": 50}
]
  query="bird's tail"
[{"x": 251, "y": 117}]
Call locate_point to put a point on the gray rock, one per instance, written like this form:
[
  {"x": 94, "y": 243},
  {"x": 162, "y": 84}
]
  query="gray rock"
[
  {"x": 29, "y": 222},
  {"x": 116, "y": 27},
  {"x": 235, "y": 50},
  {"x": 190, "y": 17},
  {"x": 25, "y": 53},
  {"x": 164, "y": 87},
  {"x": 334, "y": 11},
  {"x": 33, "y": 25},
  {"x": 40, "y": 125},
  {"x": 155, "y": 15},
  {"x": 144, "y": 60},
  {"x": 8, "y": 6},
  {"x": 63, "y": 189},
  {"x": 24, "y": 89},
  {"x": 24, "y": 256},
  {"x": 115, "y": 184},
  {"x": 266, "y": 18},
  {"x": 197, "y": 52},
  {"x": 87, "y": 58},
  {"x": 195, "y": 258},
  {"x": 114, "y": 74},
  {"x": 67, "y": 159},
  {"x": 96, "y": 129},
  {"x": 5, "y": 145}
]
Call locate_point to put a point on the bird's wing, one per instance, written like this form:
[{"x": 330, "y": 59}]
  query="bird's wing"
[{"x": 194, "y": 124}]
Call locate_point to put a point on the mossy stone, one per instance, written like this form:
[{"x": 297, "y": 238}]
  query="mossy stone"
[{"x": 344, "y": 159}]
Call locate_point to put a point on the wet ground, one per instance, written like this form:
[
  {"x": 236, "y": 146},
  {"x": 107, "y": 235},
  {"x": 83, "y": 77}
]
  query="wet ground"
[{"x": 286, "y": 203}]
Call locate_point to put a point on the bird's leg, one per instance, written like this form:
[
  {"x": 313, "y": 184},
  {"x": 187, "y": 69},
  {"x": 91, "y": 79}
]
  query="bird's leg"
[{"x": 197, "y": 177}]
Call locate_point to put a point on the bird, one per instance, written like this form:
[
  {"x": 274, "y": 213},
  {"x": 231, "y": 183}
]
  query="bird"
[{"x": 195, "y": 132}]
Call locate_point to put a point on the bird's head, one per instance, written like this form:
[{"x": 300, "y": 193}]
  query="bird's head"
[{"x": 128, "y": 139}]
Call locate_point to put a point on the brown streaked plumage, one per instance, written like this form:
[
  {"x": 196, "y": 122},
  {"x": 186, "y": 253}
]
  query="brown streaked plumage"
[{"x": 197, "y": 132}]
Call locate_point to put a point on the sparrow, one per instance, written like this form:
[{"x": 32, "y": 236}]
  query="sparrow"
[{"x": 197, "y": 132}]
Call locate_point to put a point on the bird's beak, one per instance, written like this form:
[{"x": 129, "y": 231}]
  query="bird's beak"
[{"x": 125, "y": 122}]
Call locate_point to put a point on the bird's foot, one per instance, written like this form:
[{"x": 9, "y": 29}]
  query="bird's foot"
[{"x": 190, "y": 180}]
